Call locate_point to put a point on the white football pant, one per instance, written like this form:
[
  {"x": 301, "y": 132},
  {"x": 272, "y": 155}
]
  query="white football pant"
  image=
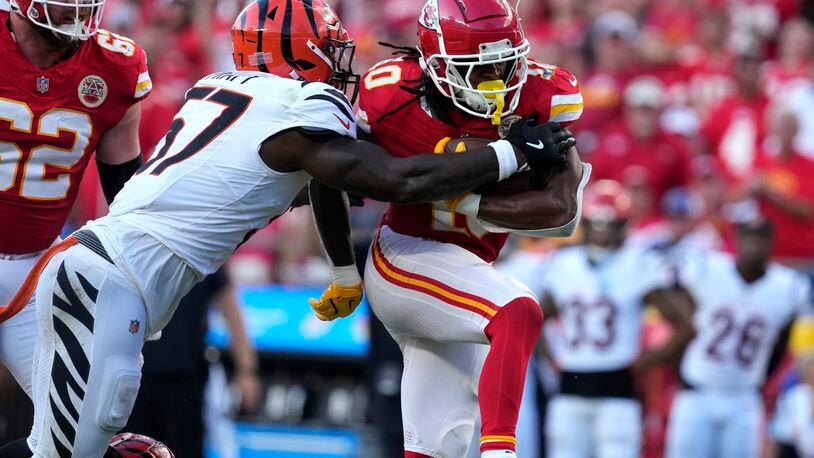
[
  {"x": 580, "y": 427},
  {"x": 715, "y": 424},
  {"x": 18, "y": 334}
]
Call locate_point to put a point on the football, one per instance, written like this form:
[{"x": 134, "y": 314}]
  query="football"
[
  {"x": 517, "y": 183},
  {"x": 137, "y": 445}
]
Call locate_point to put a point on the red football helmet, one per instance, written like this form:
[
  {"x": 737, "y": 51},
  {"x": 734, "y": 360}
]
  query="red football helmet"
[
  {"x": 455, "y": 36},
  {"x": 300, "y": 39},
  {"x": 129, "y": 445},
  {"x": 76, "y": 19},
  {"x": 606, "y": 201}
]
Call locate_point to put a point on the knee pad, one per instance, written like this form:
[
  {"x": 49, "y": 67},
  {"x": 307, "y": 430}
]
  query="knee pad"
[
  {"x": 521, "y": 313},
  {"x": 120, "y": 384}
]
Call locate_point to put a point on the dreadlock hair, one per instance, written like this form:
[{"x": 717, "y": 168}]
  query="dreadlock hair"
[{"x": 421, "y": 87}]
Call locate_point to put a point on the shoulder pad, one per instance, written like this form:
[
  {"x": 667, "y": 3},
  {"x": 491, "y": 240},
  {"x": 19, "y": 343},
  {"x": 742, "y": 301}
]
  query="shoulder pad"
[
  {"x": 559, "y": 87},
  {"x": 322, "y": 106},
  {"x": 381, "y": 90},
  {"x": 128, "y": 59}
]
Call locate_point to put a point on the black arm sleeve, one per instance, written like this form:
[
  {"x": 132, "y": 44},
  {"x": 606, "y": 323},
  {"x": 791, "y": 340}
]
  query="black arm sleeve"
[{"x": 113, "y": 177}]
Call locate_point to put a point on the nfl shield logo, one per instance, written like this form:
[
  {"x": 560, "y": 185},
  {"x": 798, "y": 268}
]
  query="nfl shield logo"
[
  {"x": 134, "y": 325},
  {"x": 43, "y": 84}
]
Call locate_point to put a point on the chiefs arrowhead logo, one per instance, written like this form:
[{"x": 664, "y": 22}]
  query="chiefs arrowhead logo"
[
  {"x": 505, "y": 124},
  {"x": 92, "y": 91}
]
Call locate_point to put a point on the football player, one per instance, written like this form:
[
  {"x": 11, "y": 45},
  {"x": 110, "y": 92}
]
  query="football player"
[
  {"x": 67, "y": 89},
  {"x": 596, "y": 411},
  {"x": 745, "y": 306},
  {"x": 240, "y": 149},
  {"x": 466, "y": 331}
]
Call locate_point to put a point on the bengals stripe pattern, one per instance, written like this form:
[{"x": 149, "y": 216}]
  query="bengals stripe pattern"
[{"x": 73, "y": 321}]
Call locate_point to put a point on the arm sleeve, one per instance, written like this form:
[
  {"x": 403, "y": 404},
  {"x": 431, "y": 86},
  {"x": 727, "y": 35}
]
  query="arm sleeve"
[{"x": 113, "y": 177}]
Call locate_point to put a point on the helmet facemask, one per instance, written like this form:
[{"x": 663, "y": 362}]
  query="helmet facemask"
[
  {"x": 339, "y": 53},
  {"x": 451, "y": 73},
  {"x": 342, "y": 53},
  {"x": 87, "y": 14}
]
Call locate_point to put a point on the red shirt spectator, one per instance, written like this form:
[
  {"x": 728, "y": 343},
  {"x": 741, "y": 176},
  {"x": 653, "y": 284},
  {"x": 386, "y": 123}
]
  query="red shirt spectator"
[
  {"x": 613, "y": 38},
  {"x": 705, "y": 65},
  {"x": 733, "y": 131},
  {"x": 789, "y": 177},
  {"x": 734, "y": 128},
  {"x": 783, "y": 185},
  {"x": 637, "y": 150}
]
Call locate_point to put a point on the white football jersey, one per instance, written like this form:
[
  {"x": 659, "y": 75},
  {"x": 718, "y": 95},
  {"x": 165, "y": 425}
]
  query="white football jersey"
[
  {"x": 206, "y": 188},
  {"x": 737, "y": 322},
  {"x": 600, "y": 306}
]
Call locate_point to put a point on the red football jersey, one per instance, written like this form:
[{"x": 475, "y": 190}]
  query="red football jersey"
[
  {"x": 550, "y": 94},
  {"x": 51, "y": 120}
]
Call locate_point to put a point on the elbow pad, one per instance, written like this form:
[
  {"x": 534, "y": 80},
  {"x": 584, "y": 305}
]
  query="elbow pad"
[{"x": 566, "y": 230}]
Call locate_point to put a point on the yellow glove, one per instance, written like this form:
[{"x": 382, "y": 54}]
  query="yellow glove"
[{"x": 337, "y": 301}]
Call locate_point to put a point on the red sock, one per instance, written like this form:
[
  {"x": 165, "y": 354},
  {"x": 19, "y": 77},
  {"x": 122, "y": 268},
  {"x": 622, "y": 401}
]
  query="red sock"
[
  {"x": 409, "y": 454},
  {"x": 513, "y": 333}
]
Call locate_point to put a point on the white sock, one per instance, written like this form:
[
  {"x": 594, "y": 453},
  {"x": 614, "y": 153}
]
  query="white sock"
[{"x": 498, "y": 454}]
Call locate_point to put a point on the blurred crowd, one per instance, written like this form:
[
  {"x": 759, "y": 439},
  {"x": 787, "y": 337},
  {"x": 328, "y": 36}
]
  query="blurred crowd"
[
  {"x": 708, "y": 96},
  {"x": 700, "y": 108}
]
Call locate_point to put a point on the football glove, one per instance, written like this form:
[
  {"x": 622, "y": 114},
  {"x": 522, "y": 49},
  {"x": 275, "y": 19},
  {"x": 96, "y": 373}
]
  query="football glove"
[
  {"x": 337, "y": 301},
  {"x": 544, "y": 146}
]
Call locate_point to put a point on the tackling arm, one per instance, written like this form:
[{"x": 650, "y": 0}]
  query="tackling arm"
[{"x": 365, "y": 168}]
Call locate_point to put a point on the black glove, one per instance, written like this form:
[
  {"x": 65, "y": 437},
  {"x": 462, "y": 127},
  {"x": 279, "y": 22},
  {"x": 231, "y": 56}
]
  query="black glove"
[{"x": 544, "y": 146}]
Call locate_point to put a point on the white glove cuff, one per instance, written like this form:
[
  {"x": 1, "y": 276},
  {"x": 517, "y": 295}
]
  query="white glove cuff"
[
  {"x": 506, "y": 159},
  {"x": 469, "y": 205},
  {"x": 346, "y": 276}
]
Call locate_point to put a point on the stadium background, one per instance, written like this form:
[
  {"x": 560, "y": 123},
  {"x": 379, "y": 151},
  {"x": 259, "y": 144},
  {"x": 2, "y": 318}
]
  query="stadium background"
[{"x": 700, "y": 95}]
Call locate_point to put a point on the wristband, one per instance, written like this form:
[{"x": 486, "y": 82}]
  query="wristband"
[
  {"x": 346, "y": 275},
  {"x": 506, "y": 159}
]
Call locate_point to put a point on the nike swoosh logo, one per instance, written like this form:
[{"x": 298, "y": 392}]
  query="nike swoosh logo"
[
  {"x": 344, "y": 123},
  {"x": 573, "y": 80},
  {"x": 539, "y": 145}
]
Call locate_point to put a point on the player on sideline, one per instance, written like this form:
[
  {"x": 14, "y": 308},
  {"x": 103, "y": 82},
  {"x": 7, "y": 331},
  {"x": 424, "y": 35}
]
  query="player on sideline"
[
  {"x": 745, "y": 307},
  {"x": 466, "y": 331},
  {"x": 67, "y": 89},
  {"x": 240, "y": 149},
  {"x": 597, "y": 291}
]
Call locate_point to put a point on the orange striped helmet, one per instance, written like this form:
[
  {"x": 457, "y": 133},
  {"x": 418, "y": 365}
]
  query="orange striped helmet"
[{"x": 300, "y": 39}]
